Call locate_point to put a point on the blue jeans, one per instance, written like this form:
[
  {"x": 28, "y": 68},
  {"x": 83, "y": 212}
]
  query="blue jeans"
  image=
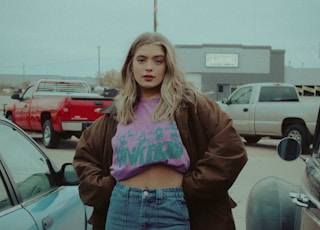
[{"x": 133, "y": 208}]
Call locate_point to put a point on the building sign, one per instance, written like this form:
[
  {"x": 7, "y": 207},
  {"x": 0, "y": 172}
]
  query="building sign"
[{"x": 222, "y": 60}]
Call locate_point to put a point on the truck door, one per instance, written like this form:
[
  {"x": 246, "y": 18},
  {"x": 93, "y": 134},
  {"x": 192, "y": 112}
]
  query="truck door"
[
  {"x": 239, "y": 109},
  {"x": 22, "y": 110}
]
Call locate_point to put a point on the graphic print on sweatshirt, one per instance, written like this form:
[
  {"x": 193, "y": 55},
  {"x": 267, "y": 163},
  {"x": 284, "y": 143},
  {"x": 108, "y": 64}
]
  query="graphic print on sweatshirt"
[{"x": 139, "y": 145}]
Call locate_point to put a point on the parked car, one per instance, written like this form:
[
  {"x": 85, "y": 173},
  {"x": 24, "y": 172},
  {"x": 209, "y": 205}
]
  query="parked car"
[
  {"x": 276, "y": 204},
  {"x": 34, "y": 193},
  {"x": 59, "y": 109},
  {"x": 271, "y": 110}
]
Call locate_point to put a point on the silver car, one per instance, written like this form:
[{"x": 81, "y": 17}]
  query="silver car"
[{"x": 276, "y": 204}]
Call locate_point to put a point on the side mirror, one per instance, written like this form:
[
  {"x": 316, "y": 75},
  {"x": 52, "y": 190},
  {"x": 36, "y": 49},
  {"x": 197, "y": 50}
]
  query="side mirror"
[
  {"x": 68, "y": 175},
  {"x": 289, "y": 149},
  {"x": 224, "y": 100},
  {"x": 15, "y": 96}
]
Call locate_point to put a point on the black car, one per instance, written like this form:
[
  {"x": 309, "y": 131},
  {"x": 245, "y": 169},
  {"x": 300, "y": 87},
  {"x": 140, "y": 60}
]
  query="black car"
[{"x": 276, "y": 204}]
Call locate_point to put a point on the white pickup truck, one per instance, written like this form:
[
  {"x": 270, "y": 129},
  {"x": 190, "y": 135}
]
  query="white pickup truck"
[{"x": 271, "y": 110}]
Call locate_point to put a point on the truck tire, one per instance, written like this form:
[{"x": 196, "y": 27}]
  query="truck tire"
[
  {"x": 50, "y": 138},
  {"x": 301, "y": 134},
  {"x": 269, "y": 205},
  {"x": 10, "y": 117},
  {"x": 252, "y": 139}
]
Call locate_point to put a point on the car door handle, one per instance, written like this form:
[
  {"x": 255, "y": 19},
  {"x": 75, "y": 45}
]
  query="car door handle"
[
  {"x": 47, "y": 222},
  {"x": 245, "y": 109},
  {"x": 98, "y": 103}
]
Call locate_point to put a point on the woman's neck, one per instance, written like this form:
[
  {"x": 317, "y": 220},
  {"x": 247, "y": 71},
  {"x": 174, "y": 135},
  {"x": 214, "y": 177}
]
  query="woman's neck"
[{"x": 150, "y": 95}]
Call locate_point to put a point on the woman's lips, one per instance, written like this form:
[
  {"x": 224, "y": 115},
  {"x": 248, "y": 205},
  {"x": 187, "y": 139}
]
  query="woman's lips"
[{"x": 148, "y": 77}]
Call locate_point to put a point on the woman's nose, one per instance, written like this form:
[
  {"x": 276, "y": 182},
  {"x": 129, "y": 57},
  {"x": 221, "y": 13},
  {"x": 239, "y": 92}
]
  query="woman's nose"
[{"x": 149, "y": 66}]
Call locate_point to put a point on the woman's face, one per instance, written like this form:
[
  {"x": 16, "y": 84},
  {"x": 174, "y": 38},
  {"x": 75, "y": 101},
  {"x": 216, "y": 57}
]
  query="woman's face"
[{"x": 149, "y": 68}]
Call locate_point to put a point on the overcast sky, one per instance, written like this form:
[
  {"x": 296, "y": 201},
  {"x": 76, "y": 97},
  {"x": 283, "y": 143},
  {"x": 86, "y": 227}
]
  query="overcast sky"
[{"x": 62, "y": 36}]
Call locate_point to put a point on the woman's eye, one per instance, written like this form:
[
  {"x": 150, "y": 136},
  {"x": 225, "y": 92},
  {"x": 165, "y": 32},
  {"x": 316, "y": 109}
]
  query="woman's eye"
[
  {"x": 140, "y": 60},
  {"x": 158, "y": 61}
]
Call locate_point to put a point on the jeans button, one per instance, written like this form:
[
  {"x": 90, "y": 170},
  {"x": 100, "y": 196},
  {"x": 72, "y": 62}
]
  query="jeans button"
[{"x": 145, "y": 193}]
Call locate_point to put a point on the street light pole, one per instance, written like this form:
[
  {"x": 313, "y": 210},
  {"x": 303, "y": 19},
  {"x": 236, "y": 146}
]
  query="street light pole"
[
  {"x": 98, "y": 64},
  {"x": 23, "y": 75}
]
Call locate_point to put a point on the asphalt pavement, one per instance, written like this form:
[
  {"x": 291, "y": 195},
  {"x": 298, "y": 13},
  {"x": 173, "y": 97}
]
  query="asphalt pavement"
[{"x": 263, "y": 162}]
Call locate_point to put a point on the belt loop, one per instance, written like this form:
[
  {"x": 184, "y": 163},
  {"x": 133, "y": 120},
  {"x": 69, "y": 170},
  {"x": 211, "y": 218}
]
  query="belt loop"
[
  {"x": 127, "y": 191},
  {"x": 159, "y": 196},
  {"x": 124, "y": 191}
]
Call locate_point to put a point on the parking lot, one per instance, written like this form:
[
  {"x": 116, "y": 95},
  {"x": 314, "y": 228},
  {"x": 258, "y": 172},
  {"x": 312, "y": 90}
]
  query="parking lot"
[{"x": 263, "y": 162}]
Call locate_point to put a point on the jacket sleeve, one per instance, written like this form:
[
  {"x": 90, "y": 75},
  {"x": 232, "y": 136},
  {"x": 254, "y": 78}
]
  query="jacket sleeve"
[
  {"x": 92, "y": 167},
  {"x": 217, "y": 152}
]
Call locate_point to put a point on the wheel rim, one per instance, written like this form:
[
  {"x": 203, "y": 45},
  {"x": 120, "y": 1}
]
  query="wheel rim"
[
  {"x": 46, "y": 135},
  {"x": 295, "y": 135}
]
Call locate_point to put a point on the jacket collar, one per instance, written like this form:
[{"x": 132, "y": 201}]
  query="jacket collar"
[{"x": 108, "y": 110}]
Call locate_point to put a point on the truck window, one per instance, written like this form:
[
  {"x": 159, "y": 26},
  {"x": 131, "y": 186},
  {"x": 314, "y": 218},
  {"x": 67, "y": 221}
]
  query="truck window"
[
  {"x": 275, "y": 93},
  {"x": 27, "y": 94},
  {"x": 63, "y": 87},
  {"x": 241, "y": 96}
]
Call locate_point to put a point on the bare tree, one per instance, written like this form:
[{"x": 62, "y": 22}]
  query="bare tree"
[{"x": 111, "y": 79}]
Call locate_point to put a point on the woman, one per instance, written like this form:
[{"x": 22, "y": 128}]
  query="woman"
[{"x": 164, "y": 156}]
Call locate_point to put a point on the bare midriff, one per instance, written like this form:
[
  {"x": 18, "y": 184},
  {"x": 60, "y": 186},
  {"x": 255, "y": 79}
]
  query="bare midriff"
[{"x": 157, "y": 176}]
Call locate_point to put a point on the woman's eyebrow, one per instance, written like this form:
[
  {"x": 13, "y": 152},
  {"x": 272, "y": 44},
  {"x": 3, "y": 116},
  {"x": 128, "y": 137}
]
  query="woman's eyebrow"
[
  {"x": 155, "y": 56},
  {"x": 160, "y": 55}
]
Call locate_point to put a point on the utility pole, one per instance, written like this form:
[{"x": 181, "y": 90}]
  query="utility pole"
[
  {"x": 155, "y": 10},
  {"x": 99, "y": 80}
]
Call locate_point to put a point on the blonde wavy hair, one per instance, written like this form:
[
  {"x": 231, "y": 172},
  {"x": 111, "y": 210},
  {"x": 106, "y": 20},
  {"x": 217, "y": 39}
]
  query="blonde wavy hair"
[{"x": 174, "y": 88}]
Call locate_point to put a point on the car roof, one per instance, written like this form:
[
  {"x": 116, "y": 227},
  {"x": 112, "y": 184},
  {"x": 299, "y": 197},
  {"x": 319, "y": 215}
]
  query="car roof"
[
  {"x": 268, "y": 84},
  {"x": 2, "y": 118}
]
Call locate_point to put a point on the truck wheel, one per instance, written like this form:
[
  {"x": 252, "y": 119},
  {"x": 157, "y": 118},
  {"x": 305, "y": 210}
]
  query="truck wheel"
[
  {"x": 10, "y": 117},
  {"x": 50, "y": 138},
  {"x": 300, "y": 133},
  {"x": 252, "y": 139}
]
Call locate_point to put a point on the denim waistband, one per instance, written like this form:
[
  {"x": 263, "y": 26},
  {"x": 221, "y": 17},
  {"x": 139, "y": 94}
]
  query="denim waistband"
[{"x": 159, "y": 193}]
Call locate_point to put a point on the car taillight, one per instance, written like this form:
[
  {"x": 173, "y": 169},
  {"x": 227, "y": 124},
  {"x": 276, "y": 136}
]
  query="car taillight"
[{"x": 64, "y": 112}]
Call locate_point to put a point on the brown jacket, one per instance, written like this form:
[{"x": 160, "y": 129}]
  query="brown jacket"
[{"x": 217, "y": 155}]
